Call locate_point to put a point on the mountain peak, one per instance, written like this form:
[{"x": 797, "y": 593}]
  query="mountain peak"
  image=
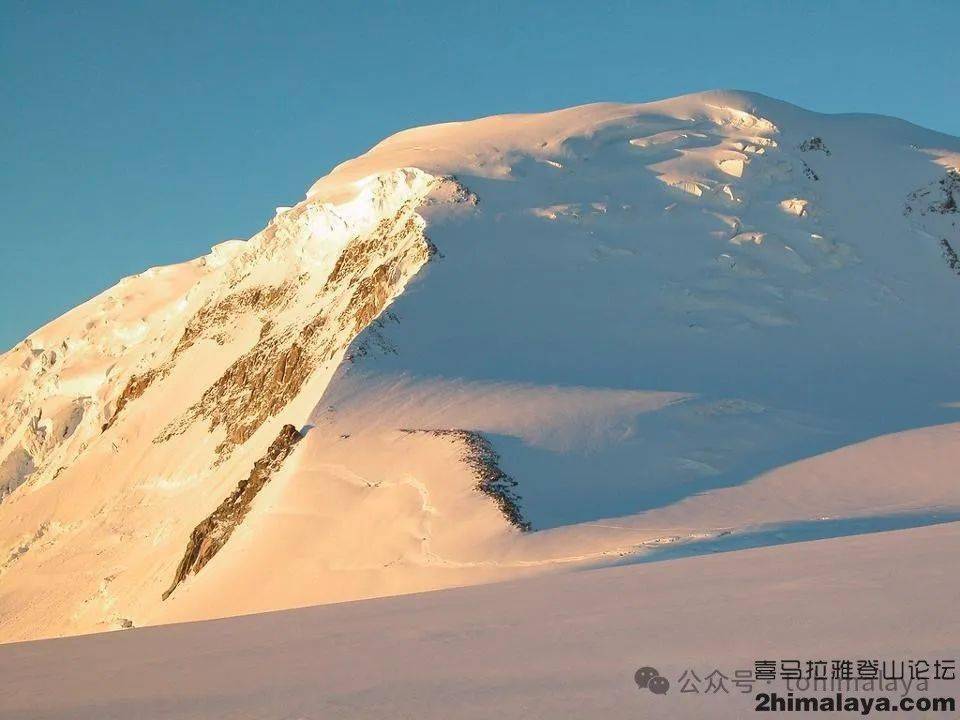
[{"x": 487, "y": 349}]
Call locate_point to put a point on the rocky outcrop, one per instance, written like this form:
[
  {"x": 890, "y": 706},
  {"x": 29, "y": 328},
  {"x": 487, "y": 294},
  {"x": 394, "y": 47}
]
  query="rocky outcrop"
[
  {"x": 215, "y": 314},
  {"x": 209, "y": 321},
  {"x": 370, "y": 271},
  {"x": 209, "y": 537},
  {"x": 950, "y": 255},
  {"x": 492, "y": 481},
  {"x": 950, "y": 189},
  {"x": 814, "y": 144},
  {"x": 374, "y": 339},
  {"x": 136, "y": 386},
  {"x": 808, "y": 171},
  {"x": 253, "y": 389},
  {"x": 938, "y": 198},
  {"x": 932, "y": 208},
  {"x": 306, "y": 322}
]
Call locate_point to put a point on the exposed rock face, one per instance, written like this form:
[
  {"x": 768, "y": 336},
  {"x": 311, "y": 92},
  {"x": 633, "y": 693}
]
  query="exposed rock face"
[
  {"x": 212, "y": 534},
  {"x": 210, "y": 321},
  {"x": 493, "y": 481},
  {"x": 368, "y": 274},
  {"x": 808, "y": 171},
  {"x": 374, "y": 339},
  {"x": 814, "y": 143},
  {"x": 933, "y": 209},
  {"x": 313, "y": 279},
  {"x": 939, "y": 198},
  {"x": 950, "y": 255},
  {"x": 479, "y": 456},
  {"x": 254, "y": 388},
  {"x": 216, "y": 314},
  {"x": 136, "y": 386},
  {"x": 207, "y": 351}
]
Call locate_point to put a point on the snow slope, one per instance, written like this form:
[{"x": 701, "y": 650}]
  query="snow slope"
[
  {"x": 560, "y": 646},
  {"x": 511, "y": 346}
]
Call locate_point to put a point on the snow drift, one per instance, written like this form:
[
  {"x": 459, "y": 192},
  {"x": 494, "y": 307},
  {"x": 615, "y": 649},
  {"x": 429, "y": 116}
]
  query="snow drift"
[{"x": 503, "y": 347}]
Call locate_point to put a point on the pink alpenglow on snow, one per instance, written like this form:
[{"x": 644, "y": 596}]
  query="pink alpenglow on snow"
[{"x": 519, "y": 346}]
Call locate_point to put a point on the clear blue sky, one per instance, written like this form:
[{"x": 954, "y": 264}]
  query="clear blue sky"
[{"x": 135, "y": 134}]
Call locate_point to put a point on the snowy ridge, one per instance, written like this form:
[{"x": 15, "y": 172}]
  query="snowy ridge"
[{"x": 642, "y": 314}]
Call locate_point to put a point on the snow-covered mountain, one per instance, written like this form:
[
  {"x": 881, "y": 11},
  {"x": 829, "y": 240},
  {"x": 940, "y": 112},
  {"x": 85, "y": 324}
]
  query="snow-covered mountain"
[{"x": 496, "y": 348}]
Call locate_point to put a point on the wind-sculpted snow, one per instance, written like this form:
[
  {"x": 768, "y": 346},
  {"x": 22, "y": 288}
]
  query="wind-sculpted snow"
[
  {"x": 480, "y": 457},
  {"x": 157, "y": 399},
  {"x": 629, "y": 316},
  {"x": 550, "y": 647}
]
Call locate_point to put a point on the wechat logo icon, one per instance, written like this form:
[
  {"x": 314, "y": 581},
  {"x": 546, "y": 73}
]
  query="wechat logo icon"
[{"x": 651, "y": 679}]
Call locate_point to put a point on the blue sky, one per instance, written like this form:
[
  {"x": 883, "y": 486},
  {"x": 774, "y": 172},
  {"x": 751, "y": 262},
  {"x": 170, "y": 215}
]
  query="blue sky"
[{"x": 137, "y": 134}]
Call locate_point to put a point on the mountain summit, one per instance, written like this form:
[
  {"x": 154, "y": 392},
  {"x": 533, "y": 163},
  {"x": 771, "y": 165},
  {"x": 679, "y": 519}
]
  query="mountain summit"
[{"x": 495, "y": 348}]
